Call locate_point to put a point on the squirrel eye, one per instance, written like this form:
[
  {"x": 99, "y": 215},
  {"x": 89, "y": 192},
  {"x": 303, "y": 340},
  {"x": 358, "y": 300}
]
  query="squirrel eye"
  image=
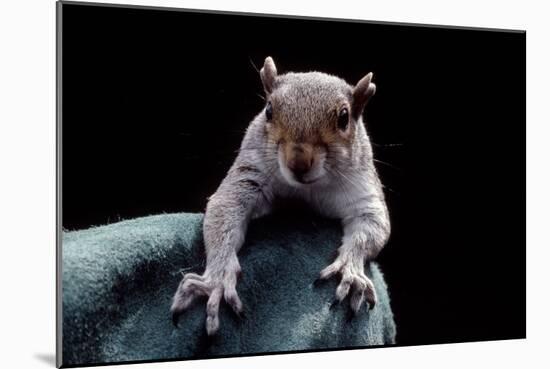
[
  {"x": 269, "y": 111},
  {"x": 343, "y": 119}
]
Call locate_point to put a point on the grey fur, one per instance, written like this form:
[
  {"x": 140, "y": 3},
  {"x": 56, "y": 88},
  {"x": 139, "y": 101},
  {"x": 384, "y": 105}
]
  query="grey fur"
[{"x": 341, "y": 182}]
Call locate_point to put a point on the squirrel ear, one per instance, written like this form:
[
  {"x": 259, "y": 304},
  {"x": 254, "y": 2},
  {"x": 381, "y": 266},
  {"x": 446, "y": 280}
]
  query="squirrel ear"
[
  {"x": 362, "y": 92},
  {"x": 268, "y": 74}
]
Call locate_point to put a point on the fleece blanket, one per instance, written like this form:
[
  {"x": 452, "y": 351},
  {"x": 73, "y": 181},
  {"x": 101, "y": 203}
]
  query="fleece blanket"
[{"x": 119, "y": 279}]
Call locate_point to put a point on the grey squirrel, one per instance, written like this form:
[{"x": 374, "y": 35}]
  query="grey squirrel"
[{"x": 309, "y": 143}]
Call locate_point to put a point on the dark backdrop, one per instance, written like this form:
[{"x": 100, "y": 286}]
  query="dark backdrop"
[{"x": 155, "y": 104}]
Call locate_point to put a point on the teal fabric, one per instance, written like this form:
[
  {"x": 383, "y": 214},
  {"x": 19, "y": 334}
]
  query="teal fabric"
[{"x": 118, "y": 281}]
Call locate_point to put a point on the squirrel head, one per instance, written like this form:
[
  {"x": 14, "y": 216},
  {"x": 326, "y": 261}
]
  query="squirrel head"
[{"x": 314, "y": 119}]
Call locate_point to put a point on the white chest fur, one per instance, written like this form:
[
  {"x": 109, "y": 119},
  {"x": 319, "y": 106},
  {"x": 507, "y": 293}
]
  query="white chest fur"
[{"x": 332, "y": 199}]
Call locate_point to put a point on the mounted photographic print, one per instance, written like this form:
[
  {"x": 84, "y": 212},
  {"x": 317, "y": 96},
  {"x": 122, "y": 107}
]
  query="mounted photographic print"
[{"x": 241, "y": 184}]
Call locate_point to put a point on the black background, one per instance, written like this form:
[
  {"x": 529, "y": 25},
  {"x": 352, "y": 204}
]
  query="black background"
[{"x": 155, "y": 104}]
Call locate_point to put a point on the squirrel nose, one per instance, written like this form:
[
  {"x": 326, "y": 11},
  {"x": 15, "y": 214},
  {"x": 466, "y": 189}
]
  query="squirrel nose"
[{"x": 299, "y": 167}]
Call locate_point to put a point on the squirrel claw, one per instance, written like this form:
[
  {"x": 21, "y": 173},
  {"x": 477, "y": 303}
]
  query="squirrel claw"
[
  {"x": 240, "y": 315},
  {"x": 175, "y": 319},
  {"x": 350, "y": 315},
  {"x": 353, "y": 283},
  {"x": 318, "y": 282}
]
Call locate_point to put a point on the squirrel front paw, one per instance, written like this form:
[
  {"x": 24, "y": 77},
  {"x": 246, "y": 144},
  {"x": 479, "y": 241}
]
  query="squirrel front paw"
[
  {"x": 214, "y": 284},
  {"x": 354, "y": 280}
]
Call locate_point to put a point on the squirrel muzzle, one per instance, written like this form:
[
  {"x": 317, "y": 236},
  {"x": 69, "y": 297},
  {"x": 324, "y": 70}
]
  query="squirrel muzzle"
[{"x": 299, "y": 159}]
